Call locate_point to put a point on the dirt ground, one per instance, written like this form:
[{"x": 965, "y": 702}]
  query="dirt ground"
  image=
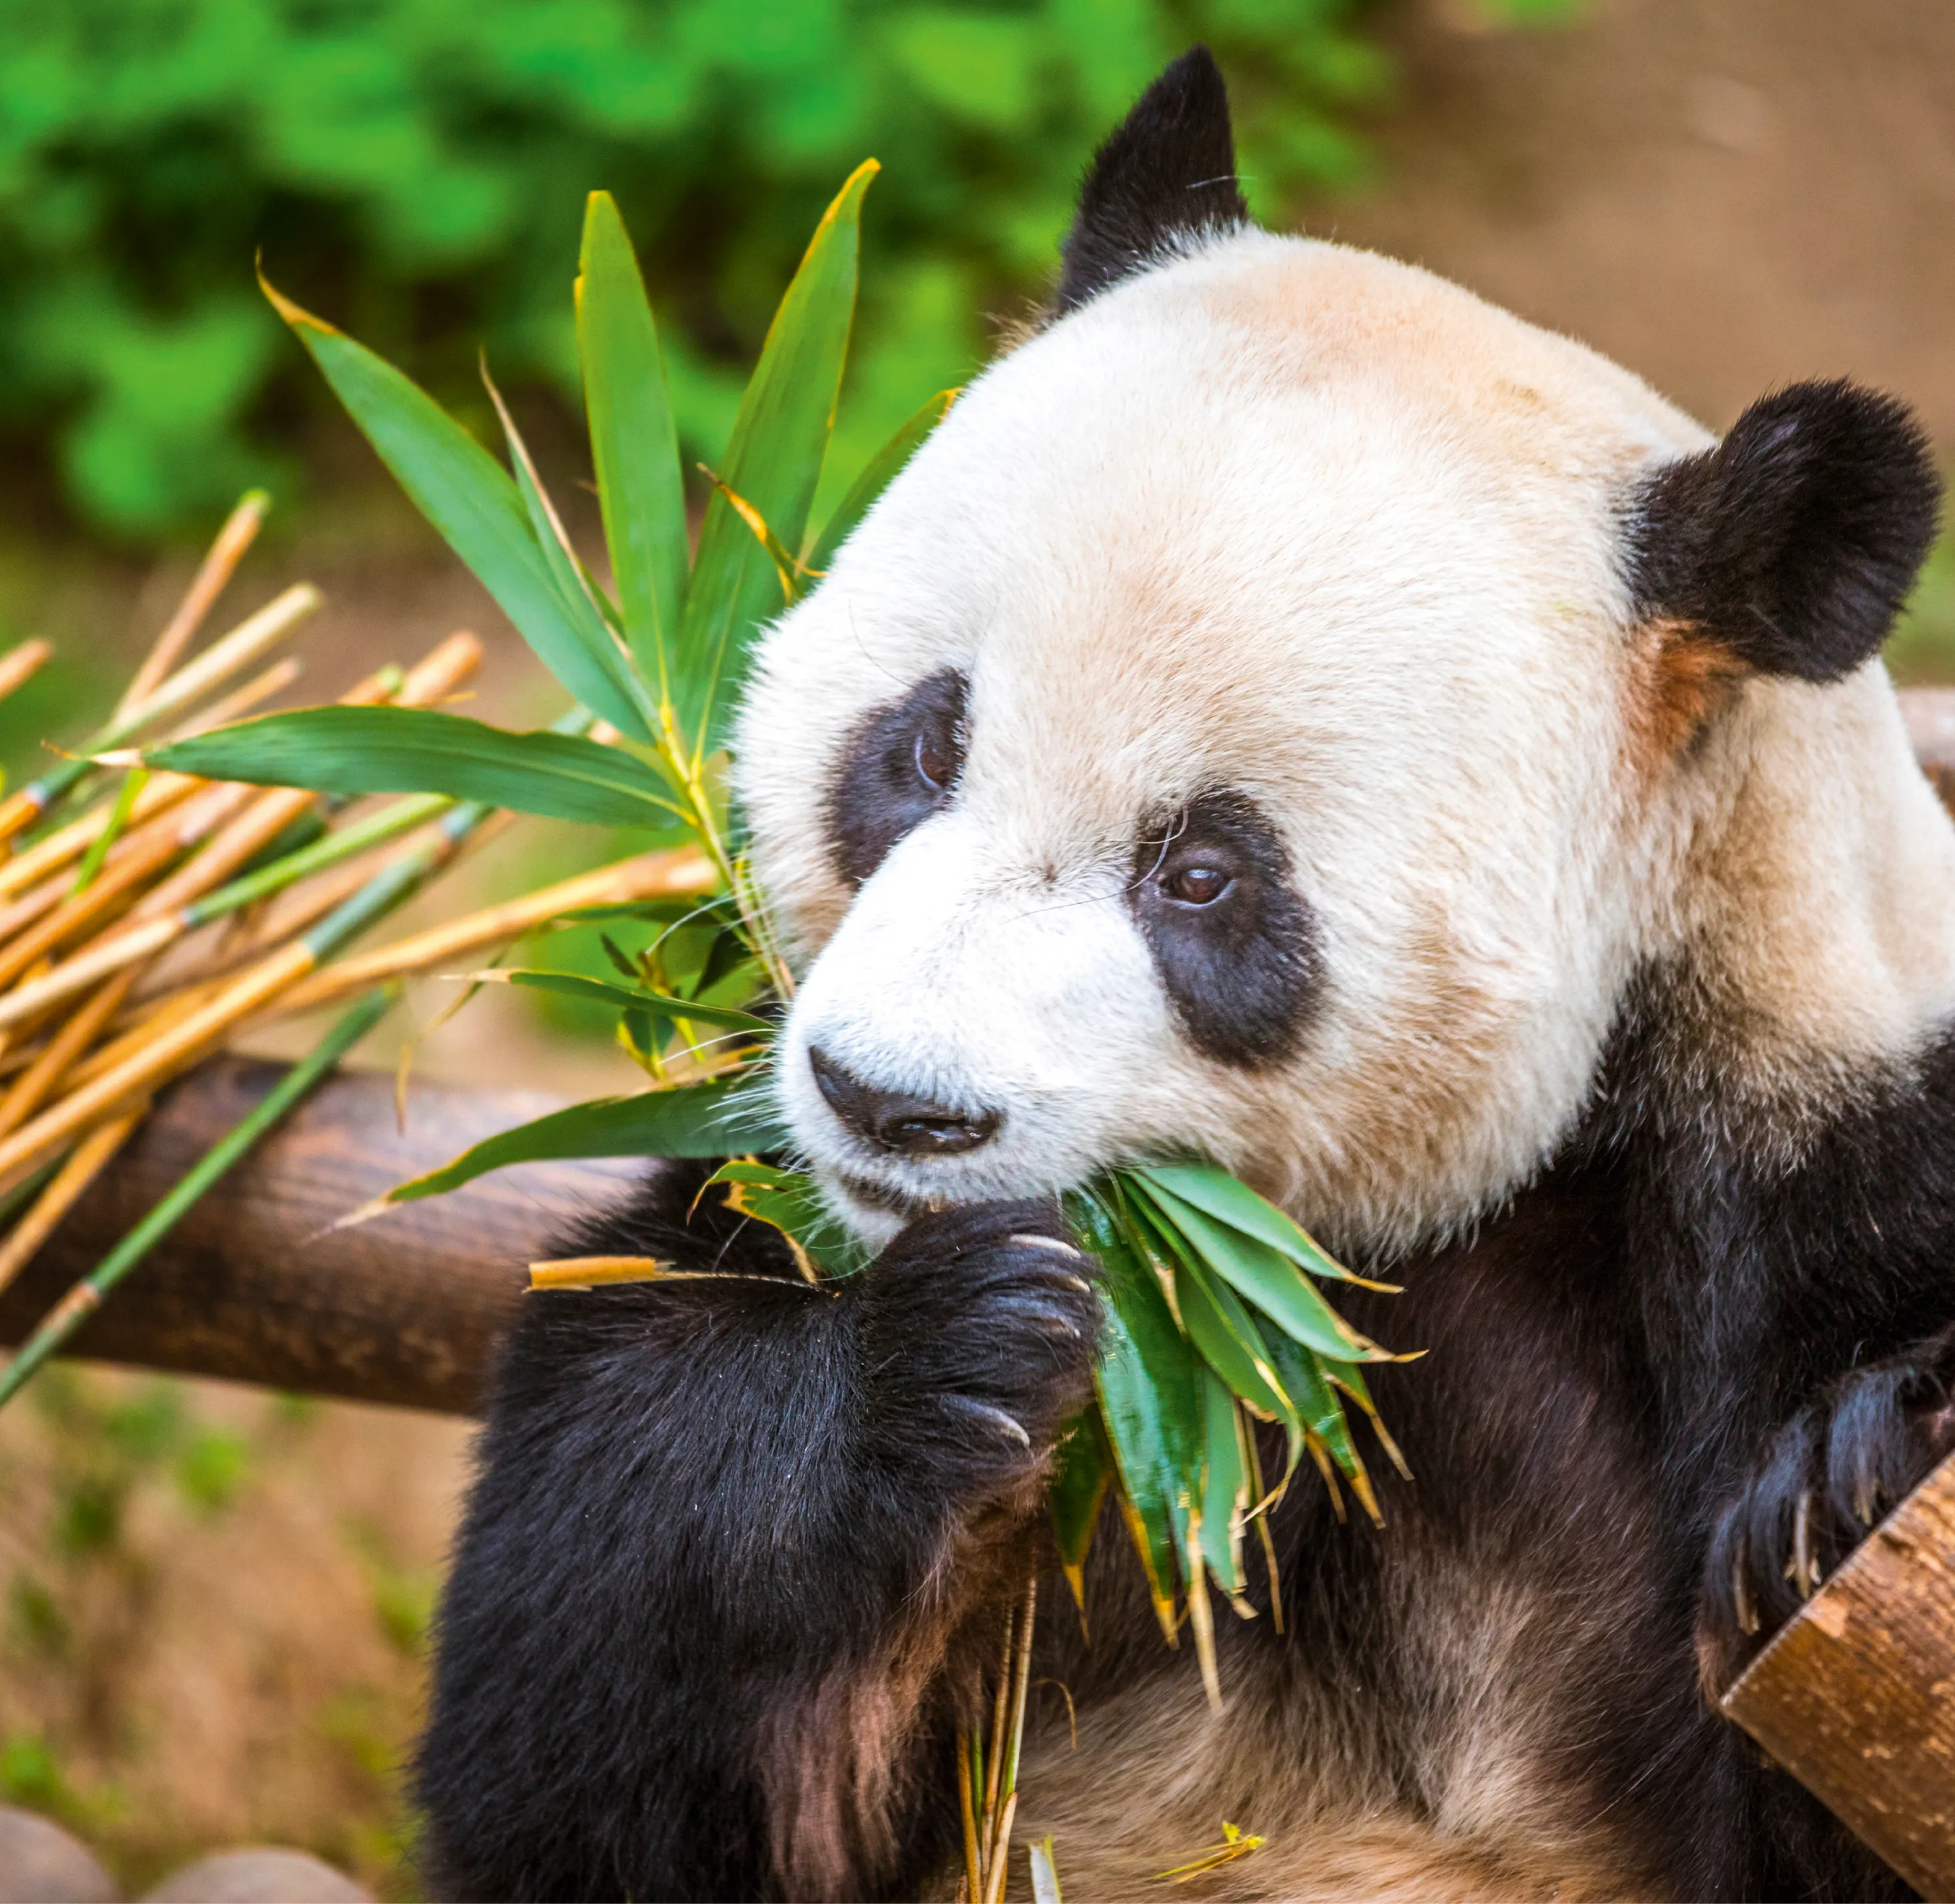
[{"x": 215, "y": 1600}]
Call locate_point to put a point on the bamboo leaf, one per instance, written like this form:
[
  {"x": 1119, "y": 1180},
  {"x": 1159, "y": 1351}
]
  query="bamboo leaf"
[
  {"x": 791, "y": 1202},
  {"x": 1230, "y": 1201},
  {"x": 773, "y": 460},
  {"x": 634, "y": 444},
  {"x": 658, "y": 1004},
  {"x": 584, "y": 604},
  {"x": 1304, "y": 1377},
  {"x": 877, "y": 474},
  {"x": 1085, "y": 1471},
  {"x": 1225, "y": 1492},
  {"x": 1150, "y": 1401},
  {"x": 471, "y": 501},
  {"x": 1272, "y": 1281},
  {"x": 1221, "y": 1328},
  {"x": 417, "y": 750},
  {"x": 689, "y": 1121}
]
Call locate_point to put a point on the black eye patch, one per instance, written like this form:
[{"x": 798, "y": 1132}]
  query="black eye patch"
[
  {"x": 899, "y": 765},
  {"x": 1235, "y": 947}
]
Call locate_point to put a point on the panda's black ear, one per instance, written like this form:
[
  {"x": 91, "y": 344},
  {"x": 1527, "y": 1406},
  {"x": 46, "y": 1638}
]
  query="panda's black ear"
[
  {"x": 1168, "y": 172},
  {"x": 1792, "y": 544}
]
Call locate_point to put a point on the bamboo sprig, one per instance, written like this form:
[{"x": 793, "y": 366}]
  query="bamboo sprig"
[
  {"x": 88, "y": 1295},
  {"x": 20, "y": 663},
  {"x": 239, "y": 530},
  {"x": 243, "y": 645},
  {"x": 992, "y": 1756}
]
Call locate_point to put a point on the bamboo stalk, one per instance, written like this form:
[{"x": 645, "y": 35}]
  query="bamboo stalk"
[
  {"x": 88, "y": 1295},
  {"x": 223, "y": 658},
  {"x": 219, "y": 564},
  {"x": 20, "y": 663},
  {"x": 263, "y": 819},
  {"x": 259, "y": 688},
  {"x": 75, "y": 1035},
  {"x": 85, "y": 1163},
  {"x": 58, "y": 849},
  {"x": 973, "y": 1879},
  {"x": 648, "y": 876}
]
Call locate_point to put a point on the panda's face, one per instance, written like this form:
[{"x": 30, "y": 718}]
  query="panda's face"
[{"x": 1226, "y": 735}]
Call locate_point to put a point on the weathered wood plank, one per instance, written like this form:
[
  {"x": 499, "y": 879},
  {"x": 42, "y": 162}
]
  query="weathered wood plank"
[
  {"x": 254, "y": 1284},
  {"x": 1855, "y": 1696}
]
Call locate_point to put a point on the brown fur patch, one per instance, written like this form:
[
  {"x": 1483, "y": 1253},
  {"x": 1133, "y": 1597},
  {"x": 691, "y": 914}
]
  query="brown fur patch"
[
  {"x": 836, "y": 1763},
  {"x": 1681, "y": 680}
]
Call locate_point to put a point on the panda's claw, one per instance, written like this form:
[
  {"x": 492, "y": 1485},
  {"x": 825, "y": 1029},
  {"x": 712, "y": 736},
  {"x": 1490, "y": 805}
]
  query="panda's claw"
[
  {"x": 1007, "y": 1425},
  {"x": 1823, "y": 1483}
]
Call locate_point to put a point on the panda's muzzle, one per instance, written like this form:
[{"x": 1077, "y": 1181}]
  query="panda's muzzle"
[{"x": 899, "y": 1122}]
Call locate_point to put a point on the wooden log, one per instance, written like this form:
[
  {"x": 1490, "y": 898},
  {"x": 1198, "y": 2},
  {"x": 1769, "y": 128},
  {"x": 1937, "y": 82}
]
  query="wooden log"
[
  {"x": 255, "y": 1285},
  {"x": 1855, "y": 1696}
]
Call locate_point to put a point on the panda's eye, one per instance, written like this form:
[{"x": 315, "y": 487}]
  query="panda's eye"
[
  {"x": 1197, "y": 885},
  {"x": 1214, "y": 894},
  {"x": 935, "y": 768}
]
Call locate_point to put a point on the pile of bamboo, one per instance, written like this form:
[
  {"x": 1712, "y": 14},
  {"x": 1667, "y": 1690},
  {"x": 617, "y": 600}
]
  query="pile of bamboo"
[{"x": 146, "y": 917}]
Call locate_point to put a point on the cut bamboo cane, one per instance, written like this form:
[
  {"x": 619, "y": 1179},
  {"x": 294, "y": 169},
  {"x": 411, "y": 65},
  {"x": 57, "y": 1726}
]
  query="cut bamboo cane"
[
  {"x": 219, "y": 663},
  {"x": 162, "y": 916},
  {"x": 219, "y": 564},
  {"x": 20, "y": 663},
  {"x": 85, "y": 1163},
  {"x": 30, "y": 1089}
]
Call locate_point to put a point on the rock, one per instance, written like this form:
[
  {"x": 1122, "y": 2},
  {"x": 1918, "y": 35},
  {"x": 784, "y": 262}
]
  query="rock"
[
  {"x": 40, "y": 1864},
  {"x": 258, "y": 1875}
]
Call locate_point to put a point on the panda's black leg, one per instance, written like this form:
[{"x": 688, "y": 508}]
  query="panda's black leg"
[
  {"x": 736, "y": 1548},
  {"x": 1823, "y": 1481}
]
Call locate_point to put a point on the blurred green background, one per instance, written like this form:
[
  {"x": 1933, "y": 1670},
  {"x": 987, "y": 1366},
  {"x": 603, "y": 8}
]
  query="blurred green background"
[{"x": 416, "y": 168}]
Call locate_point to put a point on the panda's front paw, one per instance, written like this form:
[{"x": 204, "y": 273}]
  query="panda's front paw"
[
  {"x": 980, "y": 1323},
  {"x": 1827, "y": 1477}
]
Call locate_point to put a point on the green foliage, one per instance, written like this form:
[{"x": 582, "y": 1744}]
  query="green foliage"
[{"x": 414, "y": 164}]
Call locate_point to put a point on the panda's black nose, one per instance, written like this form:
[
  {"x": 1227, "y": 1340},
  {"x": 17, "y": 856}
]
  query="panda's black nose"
[{"x": 896, "y": 1120}]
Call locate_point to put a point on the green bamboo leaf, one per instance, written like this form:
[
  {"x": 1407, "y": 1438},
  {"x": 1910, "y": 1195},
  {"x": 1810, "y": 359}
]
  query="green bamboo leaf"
[
  {"x": 1221, "y": 1328},
  {"x": 634, "y": 445},
  {"x": 704, "y": 1120},
  {"x": 471, "y": 500},
  {"x": 1214, "y": 1192},
  {"x": 419, "y": 750},
  {"x": 1269, "y": 1280},
  {"x": 1151, "y": 1400},
  {"x": 1225, "y": 1492},
  {"x": 1303, "y": 1373},
  {"x": 1085, "y": 1472},
  {"x": 773, "y": 461},
  {"x": 791, "y": 1202},
  {"x": 630, "y": 997},
  {"x": 877, "y": 474},
  {"x": 584, "y": 601}
]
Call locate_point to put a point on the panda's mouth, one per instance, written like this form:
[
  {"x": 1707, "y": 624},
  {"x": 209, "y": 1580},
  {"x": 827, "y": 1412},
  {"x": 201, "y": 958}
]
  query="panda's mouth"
[{"x": 884, "y": 1199}]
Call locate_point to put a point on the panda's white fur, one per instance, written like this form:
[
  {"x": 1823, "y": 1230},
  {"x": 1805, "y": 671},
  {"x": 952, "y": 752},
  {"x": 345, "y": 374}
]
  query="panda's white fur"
[{"x": 1293, "y": 518}]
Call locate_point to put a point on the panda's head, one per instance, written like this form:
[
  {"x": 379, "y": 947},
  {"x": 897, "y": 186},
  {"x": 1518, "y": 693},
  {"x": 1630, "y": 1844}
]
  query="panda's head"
[{"x": 1283, "y": 707}]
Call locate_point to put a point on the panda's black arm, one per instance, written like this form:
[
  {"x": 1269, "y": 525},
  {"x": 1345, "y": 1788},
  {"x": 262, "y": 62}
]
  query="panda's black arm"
[{"x": 734, "y": 1548}]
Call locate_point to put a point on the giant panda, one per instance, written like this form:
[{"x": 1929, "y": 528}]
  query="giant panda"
[{"x": 1293, "y": 711}]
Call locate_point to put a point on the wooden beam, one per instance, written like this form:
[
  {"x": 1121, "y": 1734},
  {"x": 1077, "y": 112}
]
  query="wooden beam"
[
  {"x": 1856, "y": 1695},
  {"x": 254, "y": 1283}
]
